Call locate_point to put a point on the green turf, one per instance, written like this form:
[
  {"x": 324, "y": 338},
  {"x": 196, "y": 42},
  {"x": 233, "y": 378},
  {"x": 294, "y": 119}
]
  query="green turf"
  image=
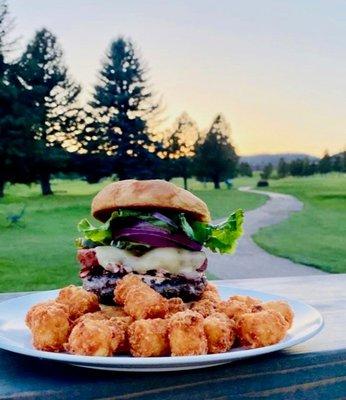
[
  {"x": 41, "y": 254},
  {"x": 317, "y": 235}
]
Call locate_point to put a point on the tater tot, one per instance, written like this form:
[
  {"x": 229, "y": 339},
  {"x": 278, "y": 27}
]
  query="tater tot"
[
  {"x": 78, "y": 300},
  {"x": 205, "y": 307},
  {"x": 220, "y": 333},
  {"x": 175, "y": 305},
  {"x": 232, "y": 308},
  {"x": 210, "y": 287},
  {"x": 42, "y": 305},
  {"x": 50, "y": 325},
  {"x": 186, "y": 334},
  {"x": 247, "y": 300},
  {"x": 122, "y": 323},
  {"x": 113, "y": 311},
  {"x": 149, "y": 338},
  {"x": 281, "y": 307},
  {"x": 95, "y": 338},
  {"x": 96, "y": 316},
  {"x": 143, "y": 302},
  {"x": 124, "y": 285},
  {"x": 211, "y": 293},
  {"x": 260, "y": 329}
]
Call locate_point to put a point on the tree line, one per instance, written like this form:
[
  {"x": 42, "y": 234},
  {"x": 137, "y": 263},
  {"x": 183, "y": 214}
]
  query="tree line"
[
  {"x": 45, "y": 130},
  {"x": 306, "y": 166}
]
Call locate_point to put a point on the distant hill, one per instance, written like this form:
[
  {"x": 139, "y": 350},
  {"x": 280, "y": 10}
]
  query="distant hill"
[{"x": 258, "y": 161}]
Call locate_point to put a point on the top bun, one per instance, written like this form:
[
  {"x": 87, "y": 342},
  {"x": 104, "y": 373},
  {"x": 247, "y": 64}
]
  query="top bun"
[{"x": 151, "y": 194}]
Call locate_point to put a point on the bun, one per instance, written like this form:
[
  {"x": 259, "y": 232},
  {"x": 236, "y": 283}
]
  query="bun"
[{"x": 150, "y": 194}]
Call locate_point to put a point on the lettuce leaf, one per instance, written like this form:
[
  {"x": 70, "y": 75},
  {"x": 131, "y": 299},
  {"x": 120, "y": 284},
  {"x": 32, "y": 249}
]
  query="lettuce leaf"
[
  {"x": 98, "y": 234},
  {"x": 221, "y": 238}
]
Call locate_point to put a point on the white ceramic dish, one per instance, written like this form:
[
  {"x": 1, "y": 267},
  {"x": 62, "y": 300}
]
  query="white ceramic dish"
[{"x": 15, "y": 337}]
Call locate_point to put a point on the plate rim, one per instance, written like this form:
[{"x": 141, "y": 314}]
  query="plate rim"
[{"x": 168, "y": 361}]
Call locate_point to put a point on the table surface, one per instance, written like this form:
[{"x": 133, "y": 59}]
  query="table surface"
[{"x": 315, "y": 369}]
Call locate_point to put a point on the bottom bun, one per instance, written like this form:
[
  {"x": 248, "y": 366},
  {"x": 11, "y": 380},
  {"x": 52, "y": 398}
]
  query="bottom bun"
[{"x": 102, "y": 283}]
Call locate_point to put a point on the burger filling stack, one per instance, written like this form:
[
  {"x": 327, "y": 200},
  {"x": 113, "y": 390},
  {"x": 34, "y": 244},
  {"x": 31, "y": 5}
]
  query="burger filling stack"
[{"x": 156, "y": 230}]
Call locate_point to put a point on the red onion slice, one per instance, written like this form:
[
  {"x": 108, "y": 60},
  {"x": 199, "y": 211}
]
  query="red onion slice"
[{"x": 156, "y": 237}]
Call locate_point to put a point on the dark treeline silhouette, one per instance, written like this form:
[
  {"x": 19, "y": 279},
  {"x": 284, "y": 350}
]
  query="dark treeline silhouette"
[{"x": 306, "y": 167}]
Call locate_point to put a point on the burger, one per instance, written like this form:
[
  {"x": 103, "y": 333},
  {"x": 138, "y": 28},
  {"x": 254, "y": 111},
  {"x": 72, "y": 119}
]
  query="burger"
[{"x": 155, "y": 229}]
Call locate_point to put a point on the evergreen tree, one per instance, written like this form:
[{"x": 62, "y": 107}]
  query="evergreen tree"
[
  {"x": 6, "y": 101},
  {"x": 267, "y": 171},
  {"x": 52, "y": 100},
  {"x": 310, "y": 167},
  {"x": 296, "y": 167},
  {"x": 179, "y": 148},
  {"x": 283, "y": 168},
  {"x": 339, "y": 162},
  {"x": 14, "y": 119},
  {"x": 122, "y": 106},
  {"x": 90, "y": 160},
  {"x": 216, "y": 158},
  {"x": 325, "y": 164},
  {"x": 343, "y": 161},
  {"x": 245, "y": 169}
]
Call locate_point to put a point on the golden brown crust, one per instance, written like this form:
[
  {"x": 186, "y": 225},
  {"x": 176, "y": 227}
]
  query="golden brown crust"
[
  {"x": 50, "y": 325},
  {"x": 144, "y": 303},
  {"x": 280, "y": 306},
  {"x": 95, "y": 338},
  {"x": 232, "y": 308},
  {"x": 78, "y": 301},
  {"x": 220, "y": 332},
  {"x": 149, "y": 338},
  {"x": 186, "y": 334},
  {"x": 205, "y": 307},
  {"x": 175, "y": 304},
  {"x": 149, "y": 194},
  {"x": 261, "y": 329},
  {"x": 122, "y": 288}
]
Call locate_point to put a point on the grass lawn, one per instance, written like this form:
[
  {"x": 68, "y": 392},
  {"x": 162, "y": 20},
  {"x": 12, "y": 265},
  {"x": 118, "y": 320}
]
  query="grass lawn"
[
  {"x": 317, "y": 235},
  {"x": 41, "y": 254}
]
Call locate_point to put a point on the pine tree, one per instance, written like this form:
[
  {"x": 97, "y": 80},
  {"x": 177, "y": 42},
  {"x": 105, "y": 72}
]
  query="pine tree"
[
  {"x": 123, "y": 105},
  {"x": 267, "y": 171},
  {"x": 325, "y": 164},
  {"x": 52, "y": 99},
  {"x": 339, "y": 162},
  {"x": 179, "y": 148},
  {"x": 283, "y": 168},
  {"x": 6, "y": 101},
  {"x": 90, "y": 159},
  {"x": 216, "y": 158},
  {"x": 245, "y": 169},
  {"x": 14, "y": 120}
]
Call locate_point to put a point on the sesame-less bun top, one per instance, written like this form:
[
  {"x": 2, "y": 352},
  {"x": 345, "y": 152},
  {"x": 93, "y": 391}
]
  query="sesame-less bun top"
[{"x": 147, "y": 195}]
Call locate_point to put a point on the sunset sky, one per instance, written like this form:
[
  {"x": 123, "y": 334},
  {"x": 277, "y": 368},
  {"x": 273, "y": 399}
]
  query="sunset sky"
[{"x": 275, "y": 69}]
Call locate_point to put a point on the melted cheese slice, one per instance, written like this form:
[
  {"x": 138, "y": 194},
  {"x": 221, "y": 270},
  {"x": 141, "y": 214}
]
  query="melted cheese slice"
[{"x": 173, "y": 260}]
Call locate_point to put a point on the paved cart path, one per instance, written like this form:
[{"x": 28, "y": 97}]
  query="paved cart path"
[{"x": 251, "y": 261}]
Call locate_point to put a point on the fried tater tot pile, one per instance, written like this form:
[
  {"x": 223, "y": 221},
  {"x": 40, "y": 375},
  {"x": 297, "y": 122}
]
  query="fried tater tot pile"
[{"x": 145, "y": 324}]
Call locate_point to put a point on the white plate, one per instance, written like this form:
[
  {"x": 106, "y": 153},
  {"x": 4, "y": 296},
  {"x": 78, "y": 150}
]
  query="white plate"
[{"x": 15, "y": 336}]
